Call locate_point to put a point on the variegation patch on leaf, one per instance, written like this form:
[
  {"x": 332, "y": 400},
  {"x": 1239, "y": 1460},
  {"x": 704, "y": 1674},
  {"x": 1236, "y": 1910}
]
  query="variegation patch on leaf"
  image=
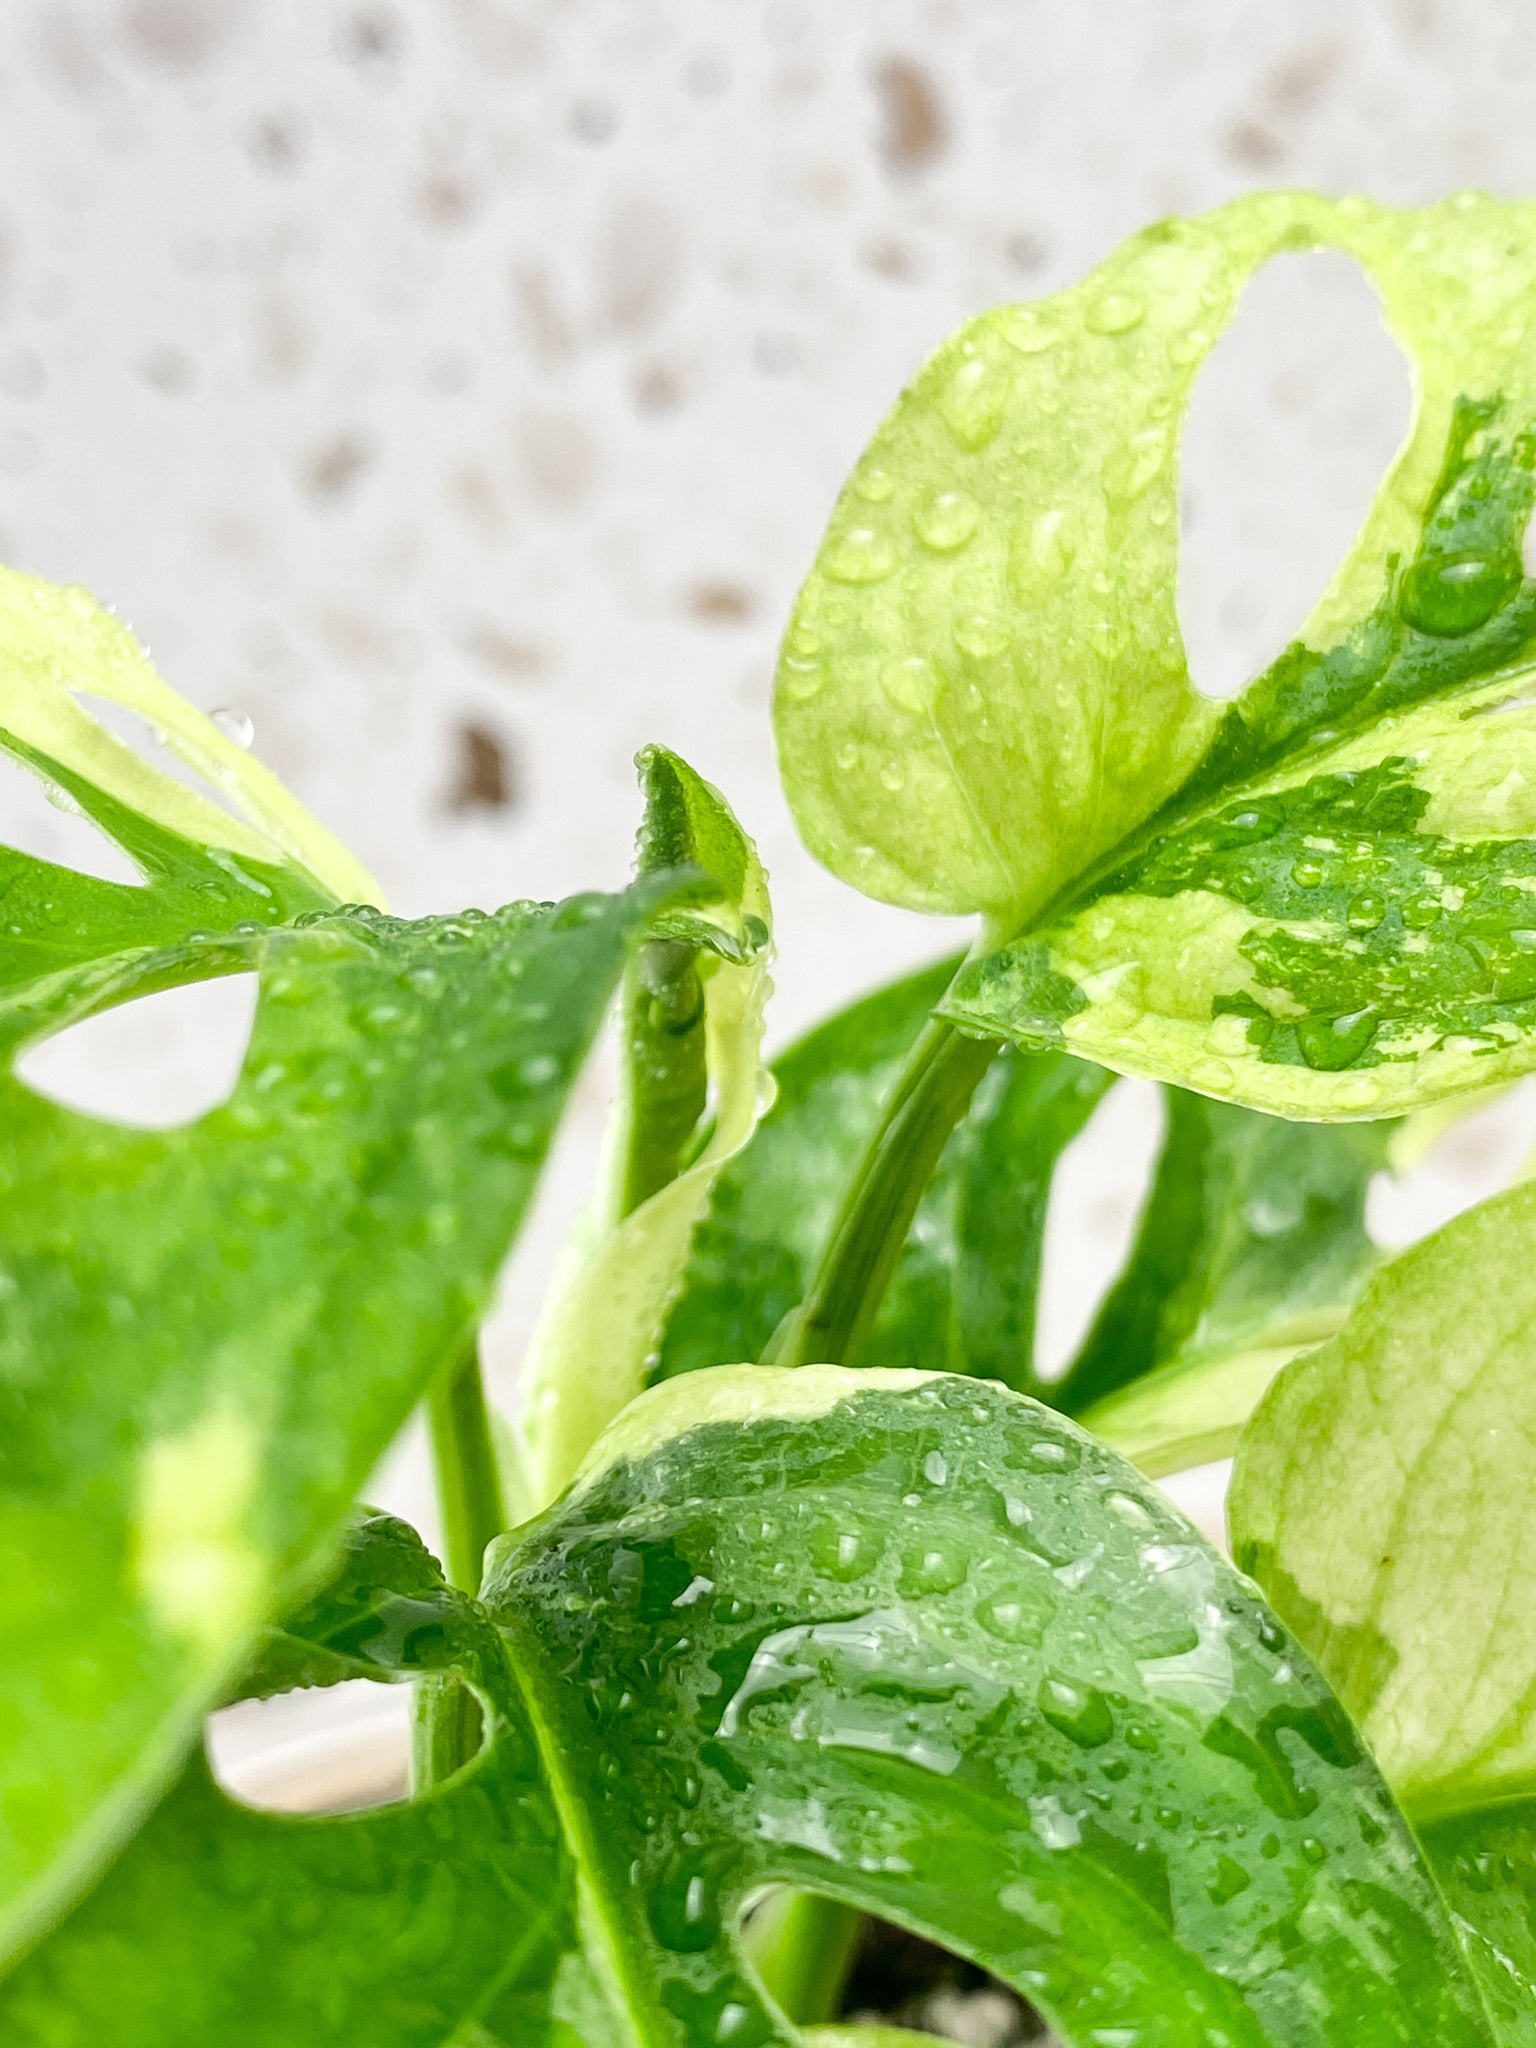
[{"x": 1316, "y": 901}]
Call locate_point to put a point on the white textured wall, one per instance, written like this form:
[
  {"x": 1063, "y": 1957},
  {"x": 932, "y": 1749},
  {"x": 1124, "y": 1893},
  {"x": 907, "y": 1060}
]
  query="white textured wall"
[{"x": 400, "y": 369}]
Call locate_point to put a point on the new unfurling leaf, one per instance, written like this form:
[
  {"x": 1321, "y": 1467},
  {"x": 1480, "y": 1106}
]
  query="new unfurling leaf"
[{"x": 692, "y": 1023}]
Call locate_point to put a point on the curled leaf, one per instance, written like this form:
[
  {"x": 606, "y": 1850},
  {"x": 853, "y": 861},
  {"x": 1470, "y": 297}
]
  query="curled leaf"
[{"x": 695, "y": 1086}]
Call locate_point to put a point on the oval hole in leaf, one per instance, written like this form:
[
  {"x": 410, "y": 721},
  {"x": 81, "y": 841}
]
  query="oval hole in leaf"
[
  {"x": 331, "y": 1749},
  {"x": 1297, "y": 413},
  {"x": 140, "y": 735},
  {"x": 898, "y": 1979},
  {"x": 58, "y": 831},
  {"x": 154, "y": 1064},
  {"x": 1097, "y": 1195},
  {"x": 1200, "y": 1493},
  {"x": 1480, "y": 1151}
]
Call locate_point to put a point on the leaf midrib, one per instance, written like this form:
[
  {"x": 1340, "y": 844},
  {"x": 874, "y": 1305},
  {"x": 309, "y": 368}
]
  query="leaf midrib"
[{"x": 1189, "y": 801}]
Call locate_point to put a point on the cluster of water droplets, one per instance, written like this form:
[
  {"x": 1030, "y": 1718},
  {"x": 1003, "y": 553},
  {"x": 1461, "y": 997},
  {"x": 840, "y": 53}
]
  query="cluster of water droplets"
[
  {"x": 396, "y": 1064},
  {"x": 941, "y": 547},
  {"x": 787, "y": 1649}
]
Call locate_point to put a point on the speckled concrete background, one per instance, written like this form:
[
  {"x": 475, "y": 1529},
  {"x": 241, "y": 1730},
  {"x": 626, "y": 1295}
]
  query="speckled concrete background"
[{"x": 457, "y": 390}]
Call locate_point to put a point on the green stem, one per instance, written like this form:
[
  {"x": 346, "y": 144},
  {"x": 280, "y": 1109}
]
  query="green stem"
[
  {"x": 801, "y": 1946},
  {"x": 446, "y": 1731},
  {"x": 468, "y": 1479},
  {"x": 931, "y": 1096}
]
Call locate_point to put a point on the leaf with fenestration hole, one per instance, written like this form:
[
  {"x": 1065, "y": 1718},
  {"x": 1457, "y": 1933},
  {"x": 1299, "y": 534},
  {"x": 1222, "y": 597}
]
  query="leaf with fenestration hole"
[
  {"x": 1328, "y": 918},
  {"x": 982, "y": 686},
  {"x": 189, "y": 1410},
  {"x": 224, "y": 1927},
  {"x": 208, "y": 1335},
  {"x": 918, "y": 1644},
  {"x": 1312, "y": 902}
]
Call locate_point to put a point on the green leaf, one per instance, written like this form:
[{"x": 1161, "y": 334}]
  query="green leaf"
[
  {"x": 1486, "y": 1864},
  {"x": 1380, "y": 1496},
  {"x": 56, "y": 644},
  {"x": 693, "y": 1013},
  {"x": 920, "y": 1645},
  {"x": 1253, "y": 1227},
  {"x": 1191, "y": 1412},
  {"x": 964, "y": 1291},
  {"x": 1252, "y": 1241},
  {"x": 1312, "y": 902},
  {"x": 1252, "y": 1245},
  {"x": 967, "y": 710},
  {"x": 384, "y": 1613},
  {"x": 208, "y": 1335},
  {"x": 223, "y": 1925},
  {"x": 73, "y": 943}
]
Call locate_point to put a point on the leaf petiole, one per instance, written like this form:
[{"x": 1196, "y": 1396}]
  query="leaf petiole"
[
  {"x": 464, "y": 1462},
  {"x": 801, "y": 1946},
  {"x": 447, "y": 1729},
  {"x": 931, "y": 1095}
]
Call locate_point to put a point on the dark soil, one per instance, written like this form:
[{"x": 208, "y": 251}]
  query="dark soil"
[{"x": 899, "y": 1980}]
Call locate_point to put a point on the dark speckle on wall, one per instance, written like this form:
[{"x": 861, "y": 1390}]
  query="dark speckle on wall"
[
  {"x": 482, "y": 775},
  {"x": 915, "y": 129}
]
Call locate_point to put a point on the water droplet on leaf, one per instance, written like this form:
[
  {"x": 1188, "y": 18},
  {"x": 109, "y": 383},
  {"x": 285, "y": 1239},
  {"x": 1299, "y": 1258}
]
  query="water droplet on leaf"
[
  {"x": 933, "y": 1568},
  {"x": 1366, "y": 911},
  {"x": 234, "y": 725},
  {"x": 1015, "y": 1614},
  {"x": 1127, "y": 471},
  {"x": 1189, "y": 347},
  {"x": 1448, "y": 595},
  {"x": 1114, "y": 313},
  {"x": 1329, "y": 1044},
  {"x": 981, "y": 635},
  {"x": 683, "y": 1914},
  {"x": 860, "y": 554},
  {"x": 973, "y": 402},
  {"x": 1080, "y": 1712},
  {"x": 945, "y": 520},
  {"x": 1028, "y": 333},
  {"x": 908, "y": 682},
  {"x": 844, "y": 1551},
  {"x": 1053, "y": 1456},
  {"x": 1050, "y": 546}
]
